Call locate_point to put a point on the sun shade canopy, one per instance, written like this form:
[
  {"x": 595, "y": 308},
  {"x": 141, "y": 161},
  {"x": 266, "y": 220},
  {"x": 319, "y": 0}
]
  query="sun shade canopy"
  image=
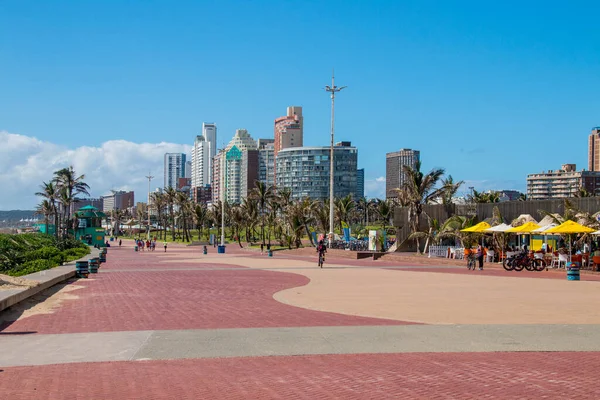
[
  {"x": 480, "y": 227},
  {"x": 570, "y": 227}
]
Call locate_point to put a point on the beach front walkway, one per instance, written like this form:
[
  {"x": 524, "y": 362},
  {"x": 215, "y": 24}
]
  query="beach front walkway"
[{"x": 243, "y": 325}]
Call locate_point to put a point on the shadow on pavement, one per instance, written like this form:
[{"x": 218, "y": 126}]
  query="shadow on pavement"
[{"x": 11, "y": 314}]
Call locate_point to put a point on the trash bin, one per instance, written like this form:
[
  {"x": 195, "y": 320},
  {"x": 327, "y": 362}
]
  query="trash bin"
[
  {"x": 135, "y": 248},
  {"x": 221, "y": 249},
  {"x": 573, "y": 271},
  {"x": 81, "y": 269},
  {"x": 270, "y": 253},
  {"x": 93, "y": 265}
]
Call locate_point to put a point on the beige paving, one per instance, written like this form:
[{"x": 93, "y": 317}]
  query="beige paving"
[{"x": 433, "y": 298}]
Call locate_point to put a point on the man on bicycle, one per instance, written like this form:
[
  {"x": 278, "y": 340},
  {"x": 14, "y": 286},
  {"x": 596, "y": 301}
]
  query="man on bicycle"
[{"x": 321, "y": 249}]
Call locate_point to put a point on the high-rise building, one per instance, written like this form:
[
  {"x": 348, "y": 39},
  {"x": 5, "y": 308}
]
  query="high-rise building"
[
  {"x": 174, "y": 169},
  {"x": 289, "y": 129},
  {"x": 360, "y": 184},
  {"x": 118, "y": 200},
  {"x": 394, "y": 172},
  {"x": 188, "y": 170},
  {"x": 594, "y": 150},
  {"x": 266, "y": 161},
  {"x": 202, "y": 194},
  {"x": 200, "y": 162},
  {"x": 565, "y": 182},
  {"x": 305, "y": 171},
  {"x": 238, "y": 165},
  {"x": 203, "y": 152},
  {"x": 218, "y": 181}
]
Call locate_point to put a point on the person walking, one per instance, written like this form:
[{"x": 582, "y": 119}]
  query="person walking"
[
  {"x": 262, "y": 246},
  {"x": 321, "y": 250},
  {"x": 479, "y": 256},
  {"x": 119, "y": 242},
  {"x": 165, "y": 244}
]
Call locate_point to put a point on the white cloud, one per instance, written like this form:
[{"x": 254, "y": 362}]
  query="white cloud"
[
  {"x": 25, "y": 162},
  {"x": 375, "y": 188}
]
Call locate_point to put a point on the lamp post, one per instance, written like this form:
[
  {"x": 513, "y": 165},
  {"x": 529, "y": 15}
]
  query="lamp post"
[
  {"x": 333, "y": 90},
  {"x": 149, "y": 177}
]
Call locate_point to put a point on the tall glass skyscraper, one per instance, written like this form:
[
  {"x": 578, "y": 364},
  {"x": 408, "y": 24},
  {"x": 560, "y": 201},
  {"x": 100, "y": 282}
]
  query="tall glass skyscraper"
[
  {"x": 174, "y": 169},
  {"x": 305, "y": 171}
]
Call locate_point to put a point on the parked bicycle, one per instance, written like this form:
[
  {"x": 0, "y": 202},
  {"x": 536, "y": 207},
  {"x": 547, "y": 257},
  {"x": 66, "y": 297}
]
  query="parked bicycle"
[{"x": 523, "y": 260}]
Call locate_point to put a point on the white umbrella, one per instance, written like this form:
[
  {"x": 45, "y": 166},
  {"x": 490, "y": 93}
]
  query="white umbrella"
[
  {"x": 499, "y": 228},
  {"x": 595, "y": 233},
  {"x": 544, "y": 229}
]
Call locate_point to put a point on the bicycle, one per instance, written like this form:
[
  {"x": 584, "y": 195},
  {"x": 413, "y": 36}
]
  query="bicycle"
[
  {"x": 321, "y": 259},
  {"x": 471, "y": 261}
]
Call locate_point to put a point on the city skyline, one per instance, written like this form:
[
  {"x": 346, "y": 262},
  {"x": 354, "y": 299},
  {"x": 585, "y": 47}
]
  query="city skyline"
[{"x": 502, "y": 85}]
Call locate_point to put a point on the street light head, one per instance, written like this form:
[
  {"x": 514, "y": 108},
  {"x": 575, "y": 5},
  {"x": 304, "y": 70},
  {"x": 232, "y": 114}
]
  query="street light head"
[
  {"x": 343, "y": 87},
  {"x": 327, "y": 88}
]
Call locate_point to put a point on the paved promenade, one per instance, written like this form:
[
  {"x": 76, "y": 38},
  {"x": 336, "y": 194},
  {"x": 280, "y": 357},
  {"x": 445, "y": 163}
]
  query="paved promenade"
[{"x": 183, "y": 325}]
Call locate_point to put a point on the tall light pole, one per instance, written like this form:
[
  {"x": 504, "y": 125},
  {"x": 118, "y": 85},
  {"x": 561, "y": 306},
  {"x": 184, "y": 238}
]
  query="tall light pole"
[
  {"x": 149, "y": 177},
  {"x": 223, "y": 196},
  {"x": 333, "y": 90}
]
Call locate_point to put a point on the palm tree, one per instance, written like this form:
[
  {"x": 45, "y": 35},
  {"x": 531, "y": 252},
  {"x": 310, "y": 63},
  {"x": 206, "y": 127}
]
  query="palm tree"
[
  {"x": 50, "y": 193},
  {"x": 321, "y": 214},
  {"x": 455, "y": 224},
  {"x": 45, "y": 208},
  {"x": 70, "y": 185},
  {"x": 159, "y": 202},
  {"x": 419, "y": 189},
  {"x": 384, "y": 211},
  {"x": 249, "y": 207},
  {"x": 344, "y": 208},
  {"x": 170, "y": 197},
  {"x": 263, "y": 195},
  {"x": 184, "y": 205},
  {"x": 450, "y": 188},
  {"x": 582, "y": 192},
  {"x": 201, "y": 217},
  {"x": 433, "y": 235}
]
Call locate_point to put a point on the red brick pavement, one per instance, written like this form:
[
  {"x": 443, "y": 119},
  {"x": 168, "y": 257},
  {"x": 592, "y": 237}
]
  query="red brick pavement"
[
  {"x": 366, "y": 376},
  {"x": 194, "y": 299}
]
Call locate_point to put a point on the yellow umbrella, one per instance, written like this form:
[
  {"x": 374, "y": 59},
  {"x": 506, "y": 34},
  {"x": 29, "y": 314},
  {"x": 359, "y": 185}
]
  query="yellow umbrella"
[
  {"x": 570, "y": 227},
  {"x": 480, "y": 227},
  {"x": 527, "y": 227}
]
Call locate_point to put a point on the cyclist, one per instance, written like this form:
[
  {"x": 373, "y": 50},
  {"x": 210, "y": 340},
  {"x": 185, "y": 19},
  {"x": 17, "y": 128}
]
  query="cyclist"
[{"x": 321, "y": 249}]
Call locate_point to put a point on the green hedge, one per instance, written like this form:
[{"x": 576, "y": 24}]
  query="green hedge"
[{"x": 28, "y": 253}]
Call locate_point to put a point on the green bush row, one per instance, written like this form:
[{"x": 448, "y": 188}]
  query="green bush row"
[{"x": 27, "y": 253}]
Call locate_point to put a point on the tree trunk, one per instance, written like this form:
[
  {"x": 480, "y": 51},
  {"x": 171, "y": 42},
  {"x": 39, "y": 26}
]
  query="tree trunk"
[{"x": 427, "y": 242}]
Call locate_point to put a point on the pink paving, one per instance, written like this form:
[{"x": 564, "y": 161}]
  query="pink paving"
[
  {"x": 194, "y": 299},
  {"x": 499, "y": 271},
  {"x": 381, "y": 376}
]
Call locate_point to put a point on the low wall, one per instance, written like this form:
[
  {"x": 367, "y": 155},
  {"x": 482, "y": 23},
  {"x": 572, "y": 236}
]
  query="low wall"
[{"x": 46, "y": 279}]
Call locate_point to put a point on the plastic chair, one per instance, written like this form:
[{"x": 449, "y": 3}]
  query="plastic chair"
[
  {"x": 562, "y": 260},
  {"x": 596, "y": 260},
  {"x": 490, "y": 256}
]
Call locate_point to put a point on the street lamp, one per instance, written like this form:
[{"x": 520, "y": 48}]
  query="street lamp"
[
  {"x": 149, "y": 177},
  {"x": 333, "y": 90}
]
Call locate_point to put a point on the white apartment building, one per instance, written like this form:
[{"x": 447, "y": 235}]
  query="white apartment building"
[
  {"x": 174, "y": 169},
  {"x": 203, "y": 152}
]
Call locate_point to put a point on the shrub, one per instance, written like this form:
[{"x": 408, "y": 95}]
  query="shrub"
[
  {"x": 30, "y": 267},
  {"x": 45, "y": 253},
  {"x": 75, "y": 254}
]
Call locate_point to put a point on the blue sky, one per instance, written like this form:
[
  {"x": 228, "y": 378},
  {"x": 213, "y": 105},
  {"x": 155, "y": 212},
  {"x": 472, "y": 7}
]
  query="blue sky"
[{"x": 490, "y": 91}]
